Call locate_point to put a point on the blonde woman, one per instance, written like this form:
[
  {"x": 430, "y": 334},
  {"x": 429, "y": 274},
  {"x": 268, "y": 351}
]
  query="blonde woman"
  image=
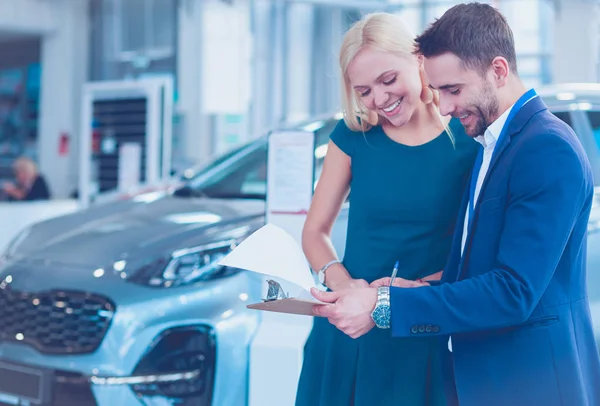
[{"x": 405, "y": 174}]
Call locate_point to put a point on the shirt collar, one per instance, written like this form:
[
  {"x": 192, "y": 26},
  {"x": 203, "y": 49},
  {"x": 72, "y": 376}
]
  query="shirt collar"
[{"x": 492, "y": 133}]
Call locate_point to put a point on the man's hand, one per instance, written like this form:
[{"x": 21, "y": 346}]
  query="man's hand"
[
  {"x": 348, "y": 309},
  {"x": 398, "y": 282},
  {"x": 352, "y": 284}
]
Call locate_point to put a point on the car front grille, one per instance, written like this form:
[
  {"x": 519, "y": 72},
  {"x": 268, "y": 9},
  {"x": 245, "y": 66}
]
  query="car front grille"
[{"x": 55, "y": 322}]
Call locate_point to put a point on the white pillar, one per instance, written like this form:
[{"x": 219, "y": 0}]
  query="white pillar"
[
  {"x": 279, "y": 33},
  {"x": 64, "y": 62},
  {"x": 298, "y": 66},
  {"x": 575, "y": 57},
  {"x": 189, "y": 81},
  {"x": 262, "y": 68}
]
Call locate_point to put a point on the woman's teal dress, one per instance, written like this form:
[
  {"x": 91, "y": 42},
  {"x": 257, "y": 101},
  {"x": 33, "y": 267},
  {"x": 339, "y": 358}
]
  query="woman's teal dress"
[{"x": 403, "y": 205}]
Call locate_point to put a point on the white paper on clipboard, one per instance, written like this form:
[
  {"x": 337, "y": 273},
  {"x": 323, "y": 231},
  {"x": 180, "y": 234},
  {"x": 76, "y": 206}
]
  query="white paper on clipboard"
[{"x": 274, "y": 253}]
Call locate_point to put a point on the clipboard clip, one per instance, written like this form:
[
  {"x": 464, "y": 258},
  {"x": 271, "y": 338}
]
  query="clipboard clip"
[{"x": 275, "y": 292}]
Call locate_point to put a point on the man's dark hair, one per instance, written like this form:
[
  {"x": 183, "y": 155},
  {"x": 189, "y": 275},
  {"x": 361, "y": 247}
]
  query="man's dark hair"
[{"x": 475, "y": 32}]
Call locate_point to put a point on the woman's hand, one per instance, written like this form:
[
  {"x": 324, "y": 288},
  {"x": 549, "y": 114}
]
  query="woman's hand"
[{"x": 398, "y": 282}]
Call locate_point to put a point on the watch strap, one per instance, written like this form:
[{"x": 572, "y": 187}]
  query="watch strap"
[
  {"x": 383, "y": 293},
  {"x": 321, "y": 273}
]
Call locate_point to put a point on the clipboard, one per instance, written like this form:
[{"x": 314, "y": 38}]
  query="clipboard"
[
  {"x": 278, "y": 301},
  {"x": 290, "y": 305}
]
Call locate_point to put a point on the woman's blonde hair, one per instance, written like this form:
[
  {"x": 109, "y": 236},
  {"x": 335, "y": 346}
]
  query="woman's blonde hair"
[{"x": 382, "y": 31}]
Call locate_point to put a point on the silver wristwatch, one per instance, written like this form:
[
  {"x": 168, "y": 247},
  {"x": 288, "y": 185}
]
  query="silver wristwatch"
[
  {"x": 321, "y": 274},
  {"x": 382, "y": 314}
]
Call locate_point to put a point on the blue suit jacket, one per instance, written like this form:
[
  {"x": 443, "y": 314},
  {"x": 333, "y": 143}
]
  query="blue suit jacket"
[{"x": 516, "y": 303}]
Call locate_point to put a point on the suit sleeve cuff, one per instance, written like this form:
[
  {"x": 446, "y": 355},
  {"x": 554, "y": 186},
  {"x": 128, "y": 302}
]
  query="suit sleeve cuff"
[{"x": 406, "y": 318}]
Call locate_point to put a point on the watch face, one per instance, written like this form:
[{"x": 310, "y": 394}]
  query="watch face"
[{"x": 381, "y": 316}]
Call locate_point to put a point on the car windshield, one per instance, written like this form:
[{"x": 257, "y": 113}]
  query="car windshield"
[{"x": 242, "y": 172}]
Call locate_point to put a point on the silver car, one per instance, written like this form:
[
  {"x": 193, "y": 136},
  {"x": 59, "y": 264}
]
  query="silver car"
[{"x": 122, "y": 304}]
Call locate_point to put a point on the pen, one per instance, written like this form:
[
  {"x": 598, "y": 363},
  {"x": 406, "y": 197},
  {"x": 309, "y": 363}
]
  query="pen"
[{"x": 394, "y": 273}]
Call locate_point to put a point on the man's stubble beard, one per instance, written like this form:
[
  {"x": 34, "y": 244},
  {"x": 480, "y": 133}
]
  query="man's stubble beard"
[{"x": 487, "y": 110}]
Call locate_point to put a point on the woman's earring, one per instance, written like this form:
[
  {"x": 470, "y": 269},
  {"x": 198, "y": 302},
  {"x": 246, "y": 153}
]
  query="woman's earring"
[
  {"x": 426, "y": 91},
  {"x": 372, "y": 118},
  {"x": 427, "y": 95}
]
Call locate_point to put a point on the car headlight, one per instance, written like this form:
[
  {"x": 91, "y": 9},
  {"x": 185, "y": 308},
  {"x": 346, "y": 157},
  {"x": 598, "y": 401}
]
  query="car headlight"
[{"x": 186, "y": 266}]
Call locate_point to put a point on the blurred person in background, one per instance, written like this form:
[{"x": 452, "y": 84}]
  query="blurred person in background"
[
  {"x": 30, "y": 184},
  {"x": 404, "y": 168}
]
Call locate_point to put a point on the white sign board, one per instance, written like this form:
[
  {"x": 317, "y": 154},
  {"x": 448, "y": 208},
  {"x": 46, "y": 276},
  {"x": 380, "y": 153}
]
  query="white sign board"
[
  {"x": 290, "y": 178},
  {"x": 130, "y": 161}
]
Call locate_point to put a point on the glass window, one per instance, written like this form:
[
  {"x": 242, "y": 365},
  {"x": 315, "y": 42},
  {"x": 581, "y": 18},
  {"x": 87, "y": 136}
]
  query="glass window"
[
  {"x": 163, "y": 18},
  {"x": 133, "y": 25},
  {"x": 128, "y": 34},
  {"x": 147, "y": 25}
]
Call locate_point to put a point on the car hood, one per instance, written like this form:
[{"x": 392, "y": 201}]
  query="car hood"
[{"x": 138, "y": 229}]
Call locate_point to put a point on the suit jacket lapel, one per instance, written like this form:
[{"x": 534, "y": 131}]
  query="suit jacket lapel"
[
  {"x": 519, "y": 121},
  {"x": 533, "y": 107}
]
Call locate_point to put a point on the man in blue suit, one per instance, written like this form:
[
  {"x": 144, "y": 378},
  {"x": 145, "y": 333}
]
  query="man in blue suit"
[{"x": 511, "y": 309}]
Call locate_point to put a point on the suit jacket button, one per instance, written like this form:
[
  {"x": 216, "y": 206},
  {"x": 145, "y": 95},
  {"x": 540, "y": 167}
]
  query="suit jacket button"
[
  {"x": 421, "y": 329},
  {"x": 428, "y": 328},
  {"x": 414, "y": 330},
  {"x": 436, "y": 329}
]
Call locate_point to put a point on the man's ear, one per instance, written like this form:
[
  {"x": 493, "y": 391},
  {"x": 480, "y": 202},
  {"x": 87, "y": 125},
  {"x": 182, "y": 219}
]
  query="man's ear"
[{"x": 500, "y": 70}]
